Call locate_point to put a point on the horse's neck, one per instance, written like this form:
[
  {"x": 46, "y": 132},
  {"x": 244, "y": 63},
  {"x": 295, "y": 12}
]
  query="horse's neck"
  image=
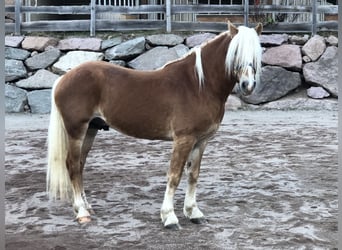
[{"x": 213, "y": 63}]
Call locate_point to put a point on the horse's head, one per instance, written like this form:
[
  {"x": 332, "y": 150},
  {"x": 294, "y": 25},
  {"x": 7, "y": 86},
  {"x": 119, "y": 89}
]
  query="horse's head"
[{"x": 243, "y": 59}]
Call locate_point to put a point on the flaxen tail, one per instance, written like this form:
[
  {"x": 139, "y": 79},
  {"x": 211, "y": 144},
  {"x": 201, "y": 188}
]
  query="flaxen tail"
[{"x": 57, "y": 178}]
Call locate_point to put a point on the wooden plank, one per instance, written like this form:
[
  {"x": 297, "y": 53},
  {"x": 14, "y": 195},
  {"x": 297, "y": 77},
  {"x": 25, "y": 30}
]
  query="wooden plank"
[
  {"x": 199, "y": 26},
  {"x": 327, "y": 25},
  {"x": 60, "y": 10},
  {"x": 9, "y": 28},
  {"x": 141, "y": 9},
  {"x": 246, "y": 12},
  {"x": 70, "y": 25},
  {"x": 238, "y": 9},
  {"x": 205, "y": 8},
  {"x": 281, "y": 8},
  {"x": 10, "y": 9},
  {"x": 327, "y": 9},
  {"x": 129, "y": 25},
  {"x": 92, "y": 17},
  {"x": 300, "y": 27},
  {"x": 83, "y": 25},
  {"x": 17, "y": 17},
  {"x": 314, "y": 18},
  {"x": 168, "y": 15}
]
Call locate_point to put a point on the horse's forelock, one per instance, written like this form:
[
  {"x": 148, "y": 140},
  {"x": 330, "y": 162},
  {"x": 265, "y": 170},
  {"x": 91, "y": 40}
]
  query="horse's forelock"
[{"x": 244, "y": 49}]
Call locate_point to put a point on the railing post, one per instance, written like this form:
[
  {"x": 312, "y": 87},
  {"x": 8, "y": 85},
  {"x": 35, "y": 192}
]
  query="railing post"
[
  {"x": 92, "y": 17},
  {"x": 17, "y": 18},
  {"x": 314, "y": 17},
  {"x": 168, "y": 15},
  {"x": 246, "y": 12}
]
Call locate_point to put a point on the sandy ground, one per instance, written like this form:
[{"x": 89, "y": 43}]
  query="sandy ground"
[{"x": 268, "y": 181}]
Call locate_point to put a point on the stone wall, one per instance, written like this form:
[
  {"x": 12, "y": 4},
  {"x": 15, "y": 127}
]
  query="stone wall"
[{"x": 298, "y": 72}]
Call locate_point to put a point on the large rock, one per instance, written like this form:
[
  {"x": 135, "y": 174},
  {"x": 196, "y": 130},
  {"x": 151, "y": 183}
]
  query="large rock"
[
  {"x": 273, "y": 39},
  {"x": 13, "y": 41},
  {"x": 38, "y": 43},
  {"x": 16, "y": 54},
  {"x": 39, "y": 101},
  {"x": 14, "y": 70},
  {"x": 125, "y": 50},
  {"x": 198, "y": 39},
  {"x": 275, "y": 82},
  {"x": 317, "y": 93},
  {"x": 324, "y": 72},
  {"x": 157, "y": 57},
  {"x": 111, "y": 42},
  {"x": 286, "y": 56},
  {"x": 43, "y": 60},
  {"x": 181, "y": 50},
  {"x": 299, "y": 40},
  {"x": 164, "y": 40},
  {"x": 92, "y": 44},
  {"x": 314, "y": 48},
  {"x": 152, "y": 59},
  {"x": 332, "y": 40},
  {"x": 42, "y": 79},
  {"x": 73, "y": 59},
  {"x": 15, "y": 99}
]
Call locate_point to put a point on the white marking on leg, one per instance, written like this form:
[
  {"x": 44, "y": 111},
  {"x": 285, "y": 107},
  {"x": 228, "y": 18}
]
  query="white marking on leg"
[
  {"x": 82, "y": 212},
  {"x": 167, "y": 213},
  {"x": 80, "y": 207},
  {"x": 86, "y": 203},
  {"x": 191, "y": 209}
]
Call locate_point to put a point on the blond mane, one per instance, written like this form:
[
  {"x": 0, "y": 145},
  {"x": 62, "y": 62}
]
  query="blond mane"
[{"x": 243, "y": 50}]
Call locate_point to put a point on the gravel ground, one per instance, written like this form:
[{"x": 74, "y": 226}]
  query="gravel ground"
[{"x": 268, "y": 181}]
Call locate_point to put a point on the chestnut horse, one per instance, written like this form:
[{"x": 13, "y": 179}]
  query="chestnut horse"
[{"x": 183, "y": 101}]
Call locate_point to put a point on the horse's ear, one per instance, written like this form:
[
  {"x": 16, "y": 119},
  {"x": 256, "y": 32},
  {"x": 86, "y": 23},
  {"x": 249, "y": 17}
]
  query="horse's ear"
[
  {"x": 258, "y": 28},
  {"x": 232, "y": 29}
]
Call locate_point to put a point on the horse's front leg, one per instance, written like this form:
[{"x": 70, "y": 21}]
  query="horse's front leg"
[
  {"x": 191, "y": 209},
  {"x": 181, "y": 149}
]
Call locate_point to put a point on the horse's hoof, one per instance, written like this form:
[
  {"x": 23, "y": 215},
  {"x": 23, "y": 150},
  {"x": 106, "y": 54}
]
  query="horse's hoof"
[
  {"x": 199, "y": 220},
  {"x": 84, "y": 219},
  {"x": 174, "y": 227}
]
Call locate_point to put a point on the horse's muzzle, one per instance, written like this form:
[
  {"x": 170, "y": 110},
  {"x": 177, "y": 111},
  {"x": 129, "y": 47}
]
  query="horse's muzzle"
[{"x": 246, "y": 87}]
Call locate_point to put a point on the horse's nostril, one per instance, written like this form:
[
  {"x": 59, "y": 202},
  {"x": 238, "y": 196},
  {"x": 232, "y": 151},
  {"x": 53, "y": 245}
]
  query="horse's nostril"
[{"x": 244, "y": 85}]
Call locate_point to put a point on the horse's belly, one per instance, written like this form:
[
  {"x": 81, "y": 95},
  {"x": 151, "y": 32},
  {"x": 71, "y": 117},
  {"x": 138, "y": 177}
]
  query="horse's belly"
[{"x": 143, "y": 129}]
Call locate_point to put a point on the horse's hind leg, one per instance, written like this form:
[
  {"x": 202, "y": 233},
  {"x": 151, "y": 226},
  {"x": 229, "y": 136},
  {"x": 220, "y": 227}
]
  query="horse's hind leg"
[
  {"x": 191, "y": 209},
  {"x": 86, "y": 146},
  {"x": 94, "y": 125},
  {"x": 75, "y": 172}
]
